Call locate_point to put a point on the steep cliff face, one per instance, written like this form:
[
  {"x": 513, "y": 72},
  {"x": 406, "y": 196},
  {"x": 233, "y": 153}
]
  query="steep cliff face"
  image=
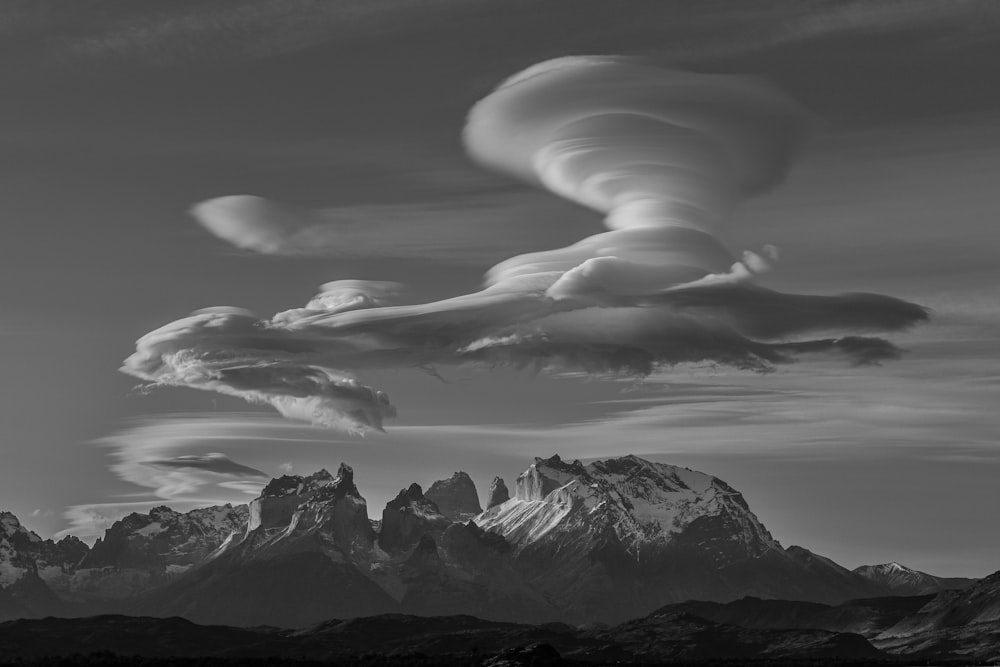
[
  {"x": 31, "y": 569},
  {"x": 320, "y": 512},
  {"x": 498, "y": 493},
  {"x": 21, "y": 551},
  {"x": 408, "y": 517},
  {"x": 282, "y": 496},
  {"x": 456, "y": 497}
]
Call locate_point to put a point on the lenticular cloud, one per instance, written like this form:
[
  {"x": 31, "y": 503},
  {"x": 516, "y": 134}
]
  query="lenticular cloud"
[{"x": 665, "y": 156}]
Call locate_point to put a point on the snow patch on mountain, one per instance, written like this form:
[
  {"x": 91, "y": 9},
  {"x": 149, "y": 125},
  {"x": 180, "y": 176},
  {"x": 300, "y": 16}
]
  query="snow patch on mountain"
[
  {"x": 903, "y": 580},
  {"x": 644, "y": 503}
]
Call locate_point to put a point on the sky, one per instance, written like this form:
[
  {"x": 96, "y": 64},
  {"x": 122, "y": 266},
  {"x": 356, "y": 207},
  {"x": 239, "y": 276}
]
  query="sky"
[{"x": 159, "y": 158}]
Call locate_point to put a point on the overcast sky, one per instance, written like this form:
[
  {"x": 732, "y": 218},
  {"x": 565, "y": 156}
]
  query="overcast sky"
[{"x": 120, "y": 116}]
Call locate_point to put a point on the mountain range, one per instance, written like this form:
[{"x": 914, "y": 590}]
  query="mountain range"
[{"x": 617, "y": 541}]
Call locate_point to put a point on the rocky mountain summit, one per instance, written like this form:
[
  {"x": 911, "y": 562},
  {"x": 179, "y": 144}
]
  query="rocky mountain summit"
[
  {"x": 640, "y": 507},
  {"x": 24, "y": 554},
  {"x": 498, "y": 494},
  {"x": 164, "y": 538},
  {"x": 145, "y": 550},
  {"x": 906, "y": 581},
  {"x": 607, "y": 541},
  {"x": 408, "y": 517},
  {"x": 455, "y": 497},
  {"x": 615, "y": 538},
  {"x": 29, "y": 566},
  {"x": 319, "y": 512}
]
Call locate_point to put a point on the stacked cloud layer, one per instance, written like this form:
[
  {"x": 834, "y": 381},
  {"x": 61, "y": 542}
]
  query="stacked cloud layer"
[
  {"x": 665, "y": 156},
  {"x": 158, "y": 455}
]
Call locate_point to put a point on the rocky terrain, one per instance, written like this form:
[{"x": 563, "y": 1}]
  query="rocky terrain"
[
  {"x": 32, "y": 568},
  {"x": 498, "y": 493},
  {"x": 963, "y": 623},
  {"x": 456, "y": 497},
  {"x": 617, "y": 538}
]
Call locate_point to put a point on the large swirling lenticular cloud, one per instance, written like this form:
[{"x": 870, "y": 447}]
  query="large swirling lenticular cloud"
[{"x": 665, "y": 156}]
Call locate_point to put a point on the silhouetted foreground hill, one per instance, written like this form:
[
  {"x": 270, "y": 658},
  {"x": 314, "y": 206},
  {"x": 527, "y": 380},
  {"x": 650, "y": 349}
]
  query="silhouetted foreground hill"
[
  {"x": 657, "y": 638},
  {"x": 513, "y": 658},
  {"x": 402, "y": 639},
  {"x": 950, "y": 627}
]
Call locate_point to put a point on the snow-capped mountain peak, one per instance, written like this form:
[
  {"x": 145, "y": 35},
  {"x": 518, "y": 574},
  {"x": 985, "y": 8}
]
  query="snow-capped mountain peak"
[
  {"x": 907, "y": 581},
  {"x": 166, "y": 537},
  {"x": 644, "y": 503},
  {"x": 891, "y": 569},
  {"x": 25, "y": 557}
]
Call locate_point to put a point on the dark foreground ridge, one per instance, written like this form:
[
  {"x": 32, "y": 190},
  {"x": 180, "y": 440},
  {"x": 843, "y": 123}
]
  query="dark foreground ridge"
[
  {"x": 514, "y": 658},
  {"x": 755, "y": 632}
]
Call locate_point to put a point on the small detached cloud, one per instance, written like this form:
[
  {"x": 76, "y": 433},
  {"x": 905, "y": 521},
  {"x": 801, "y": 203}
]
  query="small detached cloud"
[
  {"x": 664, "y": 156},
  {"x": 453, "y": 226}
]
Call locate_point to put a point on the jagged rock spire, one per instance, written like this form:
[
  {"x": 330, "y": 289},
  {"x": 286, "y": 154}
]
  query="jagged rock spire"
[
  {"x": 499, "y": 493},
  {"x": 407, "y": 517},
  {"x": 456, "y": 497}
]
